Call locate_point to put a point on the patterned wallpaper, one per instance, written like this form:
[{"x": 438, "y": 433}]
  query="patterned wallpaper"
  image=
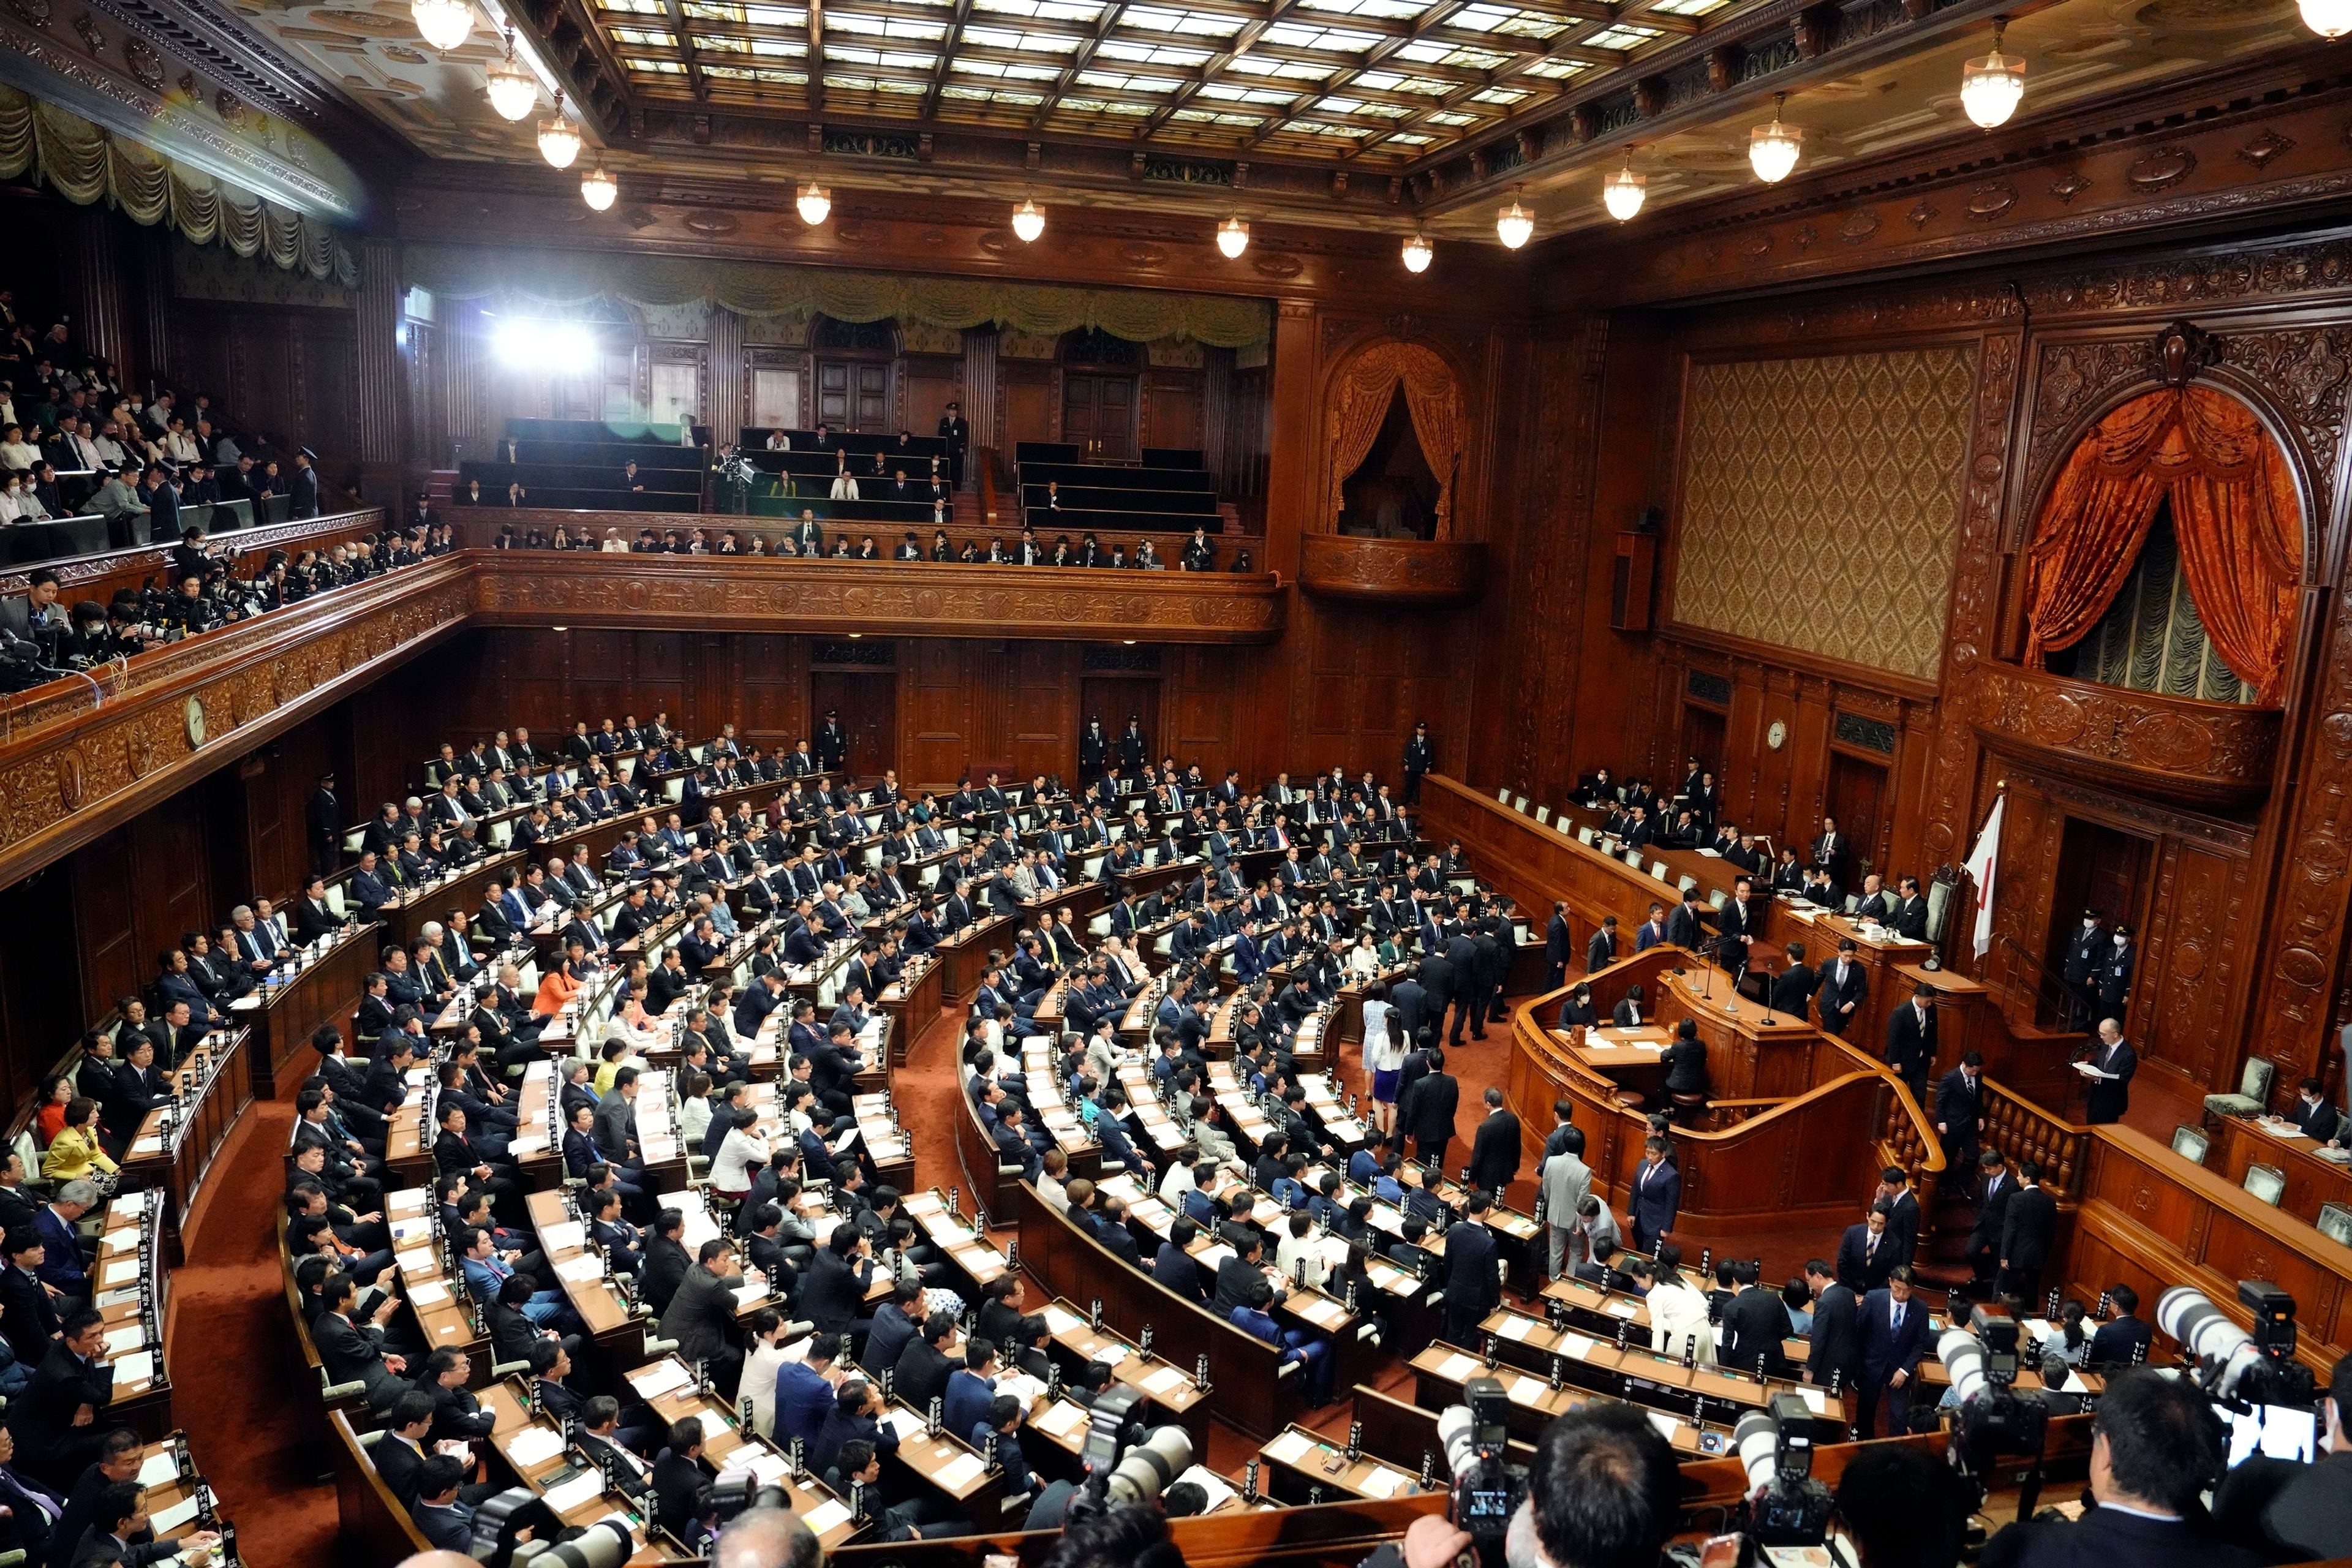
[{"x": 1820, "y": 502}]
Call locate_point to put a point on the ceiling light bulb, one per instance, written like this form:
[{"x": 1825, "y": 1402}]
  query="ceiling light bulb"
[
  {"x": 514, "y": 92},
  {"x": 1515, "y": 225},
  {"x": 814, "y": 201},
  {"x": 598, "y": 188},
  {"x": 1028, "y": 220},
  {"x": 1622, "y": 192},
  {"x": 1417, "y": 253},
  {"x": 1772, "y": 149},
  {"x": 1232, "y": 237},
  {"x": 2329, "y": 19},
  {"x": 1991, "y": 86},
  {"x": 443, "y": 24},
  {"x": 559, "y": 140}
]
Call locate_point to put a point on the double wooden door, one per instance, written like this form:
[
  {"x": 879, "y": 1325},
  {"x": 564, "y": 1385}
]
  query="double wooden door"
[
  {"x": 1099, "y": 414},
  {"x": 853, "y": 395}
]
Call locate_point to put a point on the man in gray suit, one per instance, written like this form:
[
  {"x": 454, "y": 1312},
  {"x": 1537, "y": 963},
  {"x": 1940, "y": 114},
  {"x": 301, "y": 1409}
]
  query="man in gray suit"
[
  {"x": 614, "y": 1128},
  {"x": 1562, "y": 1185}
]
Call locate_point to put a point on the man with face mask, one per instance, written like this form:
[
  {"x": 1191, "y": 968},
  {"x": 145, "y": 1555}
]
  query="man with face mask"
[
  {"x": 2086, "y": 955},
  {"x": 2116, "y": 974}
]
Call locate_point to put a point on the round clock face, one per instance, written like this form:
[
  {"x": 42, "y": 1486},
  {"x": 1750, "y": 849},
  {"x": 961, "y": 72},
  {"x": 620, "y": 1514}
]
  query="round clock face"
[
  {"x": 1776, "y": 736},
  {"x": 195, "y": 717}
]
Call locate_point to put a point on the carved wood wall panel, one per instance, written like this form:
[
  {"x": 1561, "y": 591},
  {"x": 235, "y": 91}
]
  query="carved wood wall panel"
[
  {"x": 2161, "y": 747},
  {"x": 1392, "y": 571}
]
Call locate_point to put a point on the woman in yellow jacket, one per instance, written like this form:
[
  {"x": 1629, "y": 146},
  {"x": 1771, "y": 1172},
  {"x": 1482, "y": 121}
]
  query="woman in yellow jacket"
[{"x": 75, "y": 1153}]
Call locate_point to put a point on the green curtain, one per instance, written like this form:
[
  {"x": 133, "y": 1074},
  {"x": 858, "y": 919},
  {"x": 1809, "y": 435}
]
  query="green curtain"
[
  {"x": 88, "y": 164},
  {"x": 758, "y": 289}
]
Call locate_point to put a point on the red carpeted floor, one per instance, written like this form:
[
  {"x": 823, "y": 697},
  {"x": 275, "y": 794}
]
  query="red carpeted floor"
[{"x": 234, "y": 1343}]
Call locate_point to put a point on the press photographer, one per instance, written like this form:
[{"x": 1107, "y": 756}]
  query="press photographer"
[{"x": 2294, "y": 1511}]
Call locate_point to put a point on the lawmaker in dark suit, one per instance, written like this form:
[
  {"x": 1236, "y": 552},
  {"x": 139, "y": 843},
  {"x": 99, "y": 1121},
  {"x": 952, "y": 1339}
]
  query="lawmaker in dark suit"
[
  {"x": 1753, "y": 1326},
  {"x": 1656, "y": 1196},
  {"x": 1601, "y": 950},
  {"x": 1894, "y": 1337},
  {"x": 1174, "y": 1267},
  {"x": 2028, "y": 1228},
  {"x": 1959, "y": 1113},
  {"x": 1494, "y": 1148},
  {"x": 2312, "y": 1114},
  {"x": 2124, "y": 1340},
  {"x": 1473, "y": 1287},
  {"x": 1866, "y": 1253},
  {"x": 1835, "y": 1337},
  {"x": 2110, "y": 1094},
  {"x": 1426, "y": 1112},
  {"x": 1911, "y": 1041}
]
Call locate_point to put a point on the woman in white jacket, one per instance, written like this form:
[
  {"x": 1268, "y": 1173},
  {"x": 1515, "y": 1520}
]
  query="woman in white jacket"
[
  {"x": 762, "y": 1362},
  {"x": 741, "y": 1153},
  {"x": 844, "y": 484},
  {"x": 694, "y": 1111}
]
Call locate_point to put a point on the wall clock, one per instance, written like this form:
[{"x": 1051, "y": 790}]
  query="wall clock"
[
  {"x": 1777, "y": 734},
  {"x": 196, "y": 718}
]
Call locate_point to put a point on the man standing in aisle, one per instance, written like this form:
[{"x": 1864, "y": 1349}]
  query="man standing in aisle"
[{"x": 958, "y": 436}]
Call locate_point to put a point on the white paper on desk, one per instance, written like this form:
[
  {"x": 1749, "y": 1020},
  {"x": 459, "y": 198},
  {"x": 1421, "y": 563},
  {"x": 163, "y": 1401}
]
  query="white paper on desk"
[
  {"x": 116, "y": 1298},
  {"x": 1289, "y": 1447},
  {"x": 909, "y": 1426},
  {"x": 1815, "y": 1399},
  {"x": 1060, "y": 1418},
  {"x": 582, "y": 1488},
  {"x": 1667, "y": 1426},
  {"x": 1621, "y": 1310},
  {"x": 1515, "y": 1327},
  {"x": 661, "y": 1379},
  {"x": 135, "y": 1368},
  {"x": 657, "y": 1149},
  {"x": 418, "y": 1262},
  {"x": 826, "y": 1515},
  {"x": 1215, "y": 1256},
  {"x": 2073, "y": 1385},
  {"x": 529, "y": 1143},
  {"x": 577, "y": 1270},
  {"x": 410, "y": 1230},
  {"x": 128, "y": 1337},
  {"x": 2284, "y": 1130},
  {"x": 427, "y": 1293},
  {"x": 1166, "y": 1381},
  {"x": 565, "y": 1235},
  {"x": 129, "y": 1206},
  {"x": 120, "y": 1272},
  {"x": 961, "y": 1472},
  {"x": 158, "y": 1468},
  {"x": 149, "y": 1145},
  {"x": 532, "y": 1444},
  {"x": 1576, "y": 1345},
  {"x": 408, "y": 1200},
  {"x": 1526, "y": 1390},
  {"x": 1457, "y": 1368},
  {"x": 1383, "y": 1483},
  {"x": 163, "y": 1521},
  {"x": 244, "y": 1003},
  {"x": 1059, "y": 1321},
  {"x": 1021, "y": 1386},
  {"x": 748, "y": 1296}
]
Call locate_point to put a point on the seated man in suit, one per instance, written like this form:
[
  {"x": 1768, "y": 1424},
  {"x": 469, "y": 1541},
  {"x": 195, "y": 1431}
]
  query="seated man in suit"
[{"x": 2122, "y": 1340}]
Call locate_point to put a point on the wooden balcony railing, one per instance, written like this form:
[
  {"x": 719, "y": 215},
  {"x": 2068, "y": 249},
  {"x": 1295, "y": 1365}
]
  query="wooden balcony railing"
[
  {"x": 2174, "y": 748},
  {"x": 2023, "y": 1130}
]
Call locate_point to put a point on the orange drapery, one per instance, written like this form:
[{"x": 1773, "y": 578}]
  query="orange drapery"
[
  {"x": 2233, "y": 509},
  {"x": 1359, "y": 402}
]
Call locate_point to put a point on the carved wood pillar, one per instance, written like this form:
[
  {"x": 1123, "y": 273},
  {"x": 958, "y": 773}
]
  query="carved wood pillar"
[
  {"x": 381, "y": 396},
  {"x": 151, "y": 364},
  {"x": 1297, "y": 448},
  {"x": 723, "y": 389},
  {"x": 980, "y": 410},
  {"x": 1217, "y": 418}
]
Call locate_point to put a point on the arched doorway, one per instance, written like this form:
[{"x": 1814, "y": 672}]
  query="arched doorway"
[{"x": 1363, "y": 396}]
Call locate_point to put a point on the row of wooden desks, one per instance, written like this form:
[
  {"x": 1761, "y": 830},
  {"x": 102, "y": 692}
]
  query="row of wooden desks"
[
  {"x": 174, "y": 1144},
  {"x": 280, "y": 1019}
]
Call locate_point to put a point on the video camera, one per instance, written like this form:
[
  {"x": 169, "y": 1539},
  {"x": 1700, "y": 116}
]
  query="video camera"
[
  {"x": 1786, "y": 1507},
  {"x": 1487, "y": 1487}
]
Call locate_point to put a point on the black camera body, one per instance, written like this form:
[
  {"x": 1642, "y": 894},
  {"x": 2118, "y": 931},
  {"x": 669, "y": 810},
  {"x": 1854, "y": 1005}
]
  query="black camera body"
[
  {"x": 1793, "y": 1509},
  {"x": 1487, "y": 1488}
]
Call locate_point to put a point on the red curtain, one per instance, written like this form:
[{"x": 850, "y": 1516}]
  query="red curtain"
[{"x": 2233, "y": 510}]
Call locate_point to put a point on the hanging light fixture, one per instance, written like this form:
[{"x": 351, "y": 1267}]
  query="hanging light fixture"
[
  {"x": 1418, "y": 252},
  {"x": 2329, "y": 19},
  {"x": 443, "y": 24},
  {"x": 598, "y": 188},
  {"x": 1991, "y": 84},
  {"x": 1514, "y": 224},
  {"x": 814, "y": 201},
  {"x": 1622, "y": 192},
  {"x": 514, "y": 92},
  {"x": 1028, "y": 220},
  {"x": 558, "y": 139},
  {"x": 1232, "y": 237},
  {"x": 1772, "y": 149}
]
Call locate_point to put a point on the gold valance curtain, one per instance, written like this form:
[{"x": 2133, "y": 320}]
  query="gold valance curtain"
[
  {"x": 2234, "y": 511},
  {"x": 88, "y": 164},
  {"x": 761, "y": 289},
  {"x": 1359, "y": 402}
]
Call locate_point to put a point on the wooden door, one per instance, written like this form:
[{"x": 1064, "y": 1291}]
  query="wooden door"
[
  {"x": 2099, "y": 868},
  {"x": 1111, "y": 698},
  {"x": 1703, "y": 739},
  {"x": 868, "y": 705},
  {"x": 1857, "y": 798},
  {"x": 1099, "y": 414},
  {"x": 853, "y": 395}
]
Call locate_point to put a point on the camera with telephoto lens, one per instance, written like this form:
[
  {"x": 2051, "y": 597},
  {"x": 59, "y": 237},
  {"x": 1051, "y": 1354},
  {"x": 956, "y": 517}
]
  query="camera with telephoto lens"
[
  {"x": 2231, "y": 1364},
  {"x": 604, "y": 1544},
  {"x": 1487, "y": 1488},
  {"x": 1786, "y": 1507},
  {"x": 1994, "y": 1419},
  {"x": 1125, "y": 1462}
]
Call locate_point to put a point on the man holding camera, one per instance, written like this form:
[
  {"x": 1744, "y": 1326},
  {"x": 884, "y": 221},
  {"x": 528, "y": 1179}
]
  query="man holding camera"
[
  {"x": 2155, "y": 1447},
  {"x": 2298, "y": 1511}
]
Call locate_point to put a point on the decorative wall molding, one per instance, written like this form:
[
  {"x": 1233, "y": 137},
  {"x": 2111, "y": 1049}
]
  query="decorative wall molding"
[
  {"x": 1420, "y": 573},
  {"x": 2170, "y": 748},
  {"x": 719, "y": 594}
]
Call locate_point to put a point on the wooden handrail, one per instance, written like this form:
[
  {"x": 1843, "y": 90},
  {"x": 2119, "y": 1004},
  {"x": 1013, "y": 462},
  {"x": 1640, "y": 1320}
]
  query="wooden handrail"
[{"x": 2023, "y": 1130}]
